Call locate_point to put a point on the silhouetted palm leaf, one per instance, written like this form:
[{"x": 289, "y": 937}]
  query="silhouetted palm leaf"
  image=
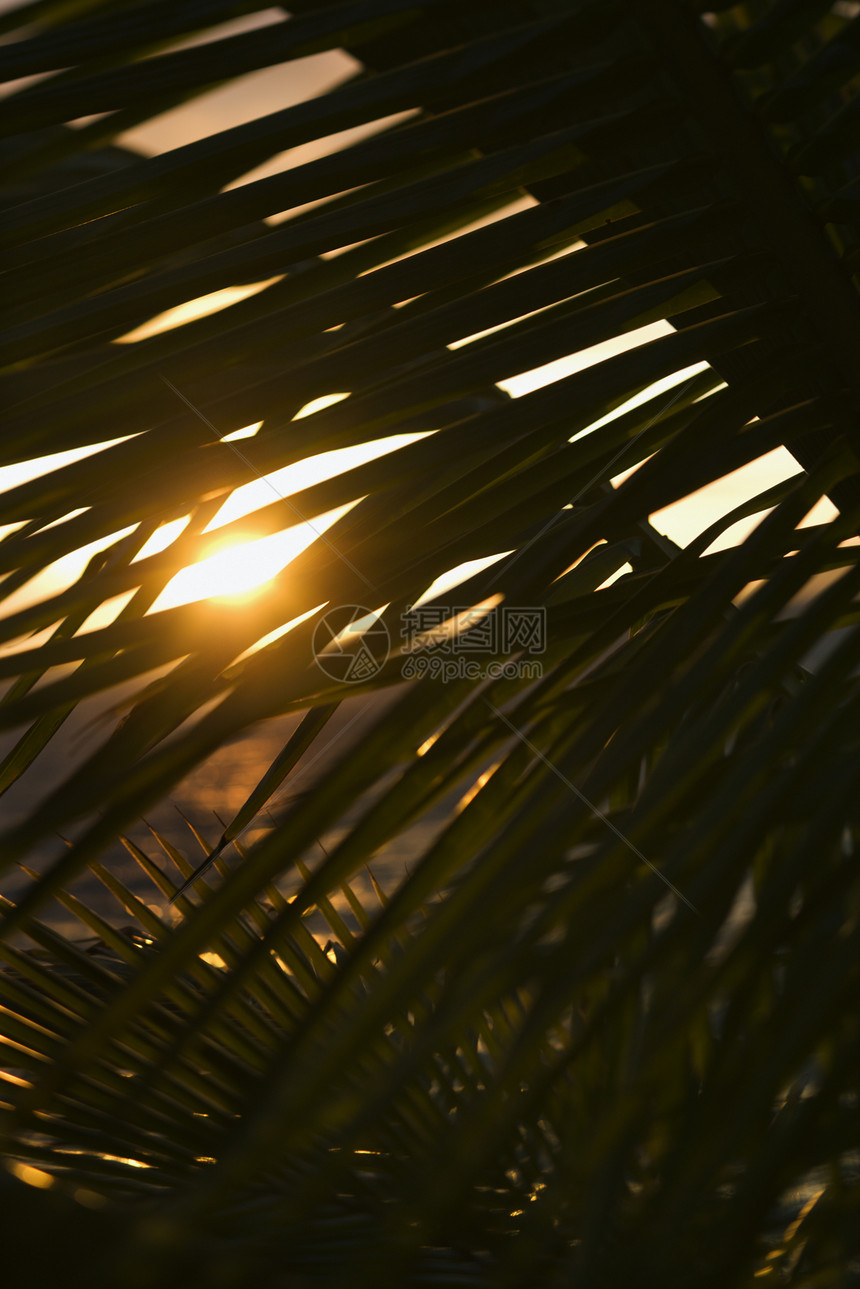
[{"x": 605, "y": 1029}]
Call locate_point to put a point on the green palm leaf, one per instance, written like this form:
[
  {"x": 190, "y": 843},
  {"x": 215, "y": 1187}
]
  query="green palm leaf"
[{"x": 604, "y": 1025}]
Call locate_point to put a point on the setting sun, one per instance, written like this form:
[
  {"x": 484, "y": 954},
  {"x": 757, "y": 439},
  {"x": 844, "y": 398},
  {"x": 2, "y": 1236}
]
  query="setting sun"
[
  {"x": 240, "y": 569},
  {"x": 243, "y": 568}
]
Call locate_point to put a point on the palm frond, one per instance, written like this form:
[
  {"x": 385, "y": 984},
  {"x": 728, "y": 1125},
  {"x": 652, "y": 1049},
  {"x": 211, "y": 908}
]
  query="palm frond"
[{"x": 590, "y": 258}]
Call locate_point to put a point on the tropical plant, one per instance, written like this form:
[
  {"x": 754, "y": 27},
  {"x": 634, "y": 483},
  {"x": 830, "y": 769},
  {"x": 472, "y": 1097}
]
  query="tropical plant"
[{"x": 605, "y": 1029}]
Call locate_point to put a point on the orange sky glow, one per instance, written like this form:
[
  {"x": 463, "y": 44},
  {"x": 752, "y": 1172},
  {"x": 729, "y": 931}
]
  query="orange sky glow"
[{"x": 245, "y": 568}]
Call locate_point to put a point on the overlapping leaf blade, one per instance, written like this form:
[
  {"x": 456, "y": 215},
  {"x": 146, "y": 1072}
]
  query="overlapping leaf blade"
[{"x": 603, "y": 1026}]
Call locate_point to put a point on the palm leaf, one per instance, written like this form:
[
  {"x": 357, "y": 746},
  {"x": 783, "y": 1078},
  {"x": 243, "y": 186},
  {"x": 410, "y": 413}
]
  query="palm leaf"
[{"x": 604, "y": 1026}]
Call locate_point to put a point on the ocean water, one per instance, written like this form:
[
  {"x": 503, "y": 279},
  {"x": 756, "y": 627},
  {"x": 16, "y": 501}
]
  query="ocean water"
[{"x": 192, "y": 816}]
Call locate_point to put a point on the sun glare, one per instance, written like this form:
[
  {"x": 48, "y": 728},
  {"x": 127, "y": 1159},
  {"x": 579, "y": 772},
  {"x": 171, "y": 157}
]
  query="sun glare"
[{"x": 242, "y": 568}]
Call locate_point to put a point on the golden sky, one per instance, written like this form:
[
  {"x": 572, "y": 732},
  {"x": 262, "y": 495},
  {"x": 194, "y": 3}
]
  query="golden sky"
[{"x": 242, "y": 568}]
